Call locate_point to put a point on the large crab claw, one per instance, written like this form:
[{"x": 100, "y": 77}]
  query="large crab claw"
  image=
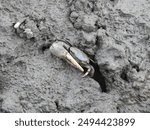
[{"x": 60, "y": 49}]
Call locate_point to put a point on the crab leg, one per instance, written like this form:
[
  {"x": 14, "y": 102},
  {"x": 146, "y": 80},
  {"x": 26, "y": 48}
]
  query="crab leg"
[
  {"x": 90, "y": 70},
  {"x": 87, "y": 72}
]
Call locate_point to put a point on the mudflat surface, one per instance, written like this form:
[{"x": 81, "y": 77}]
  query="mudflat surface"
[{"x": 114, "y": 33}]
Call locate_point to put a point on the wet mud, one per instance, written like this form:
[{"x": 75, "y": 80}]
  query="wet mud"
[{"x": 115, "y": 34}]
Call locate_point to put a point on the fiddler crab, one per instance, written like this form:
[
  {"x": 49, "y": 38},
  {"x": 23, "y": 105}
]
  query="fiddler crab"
[
  {"x": 23, "y": 31},
  {"x": 73, "y": 56}
]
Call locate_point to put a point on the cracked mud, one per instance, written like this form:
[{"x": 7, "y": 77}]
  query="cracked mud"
[{"x": 115, "y": 34}]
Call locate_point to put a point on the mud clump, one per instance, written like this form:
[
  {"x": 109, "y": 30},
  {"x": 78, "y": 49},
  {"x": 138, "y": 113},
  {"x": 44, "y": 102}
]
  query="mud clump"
[{"x": 115, "y": 34}]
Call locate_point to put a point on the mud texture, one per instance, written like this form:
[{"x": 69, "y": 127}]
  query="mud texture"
[{"x": 114, "y": 33}]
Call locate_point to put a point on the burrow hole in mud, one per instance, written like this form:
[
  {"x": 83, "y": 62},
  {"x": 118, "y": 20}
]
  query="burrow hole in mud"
[
  {"x": 98, "y": 76},
  {"x": 44, "y": 47},
  {"x": 57, "y": 104},
  {"x": 124, "y": 76}
]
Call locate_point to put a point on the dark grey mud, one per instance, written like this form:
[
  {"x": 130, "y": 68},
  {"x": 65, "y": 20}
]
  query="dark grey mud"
[{"x": 114, "y": 32}]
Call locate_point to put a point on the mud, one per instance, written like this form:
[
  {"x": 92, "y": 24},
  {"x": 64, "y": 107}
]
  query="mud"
[{"x": 114, "y": 33}]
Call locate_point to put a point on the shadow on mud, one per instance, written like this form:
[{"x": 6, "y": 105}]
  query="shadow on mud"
[{"x": 98, "y": 76}]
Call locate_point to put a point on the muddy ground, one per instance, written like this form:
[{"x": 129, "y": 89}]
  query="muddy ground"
[{"x": 114, "y": 33}]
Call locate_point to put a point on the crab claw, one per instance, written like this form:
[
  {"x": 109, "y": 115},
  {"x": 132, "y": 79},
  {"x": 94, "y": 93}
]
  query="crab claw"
[
  {"x": 72, "y": 61},
  {"x": 59, "y": 49}
]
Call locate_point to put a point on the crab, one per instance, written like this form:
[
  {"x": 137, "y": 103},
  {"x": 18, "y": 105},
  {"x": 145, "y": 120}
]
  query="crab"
[
  {"x": 22, "y": 31},
  {"x": 73, "y": 56}
]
